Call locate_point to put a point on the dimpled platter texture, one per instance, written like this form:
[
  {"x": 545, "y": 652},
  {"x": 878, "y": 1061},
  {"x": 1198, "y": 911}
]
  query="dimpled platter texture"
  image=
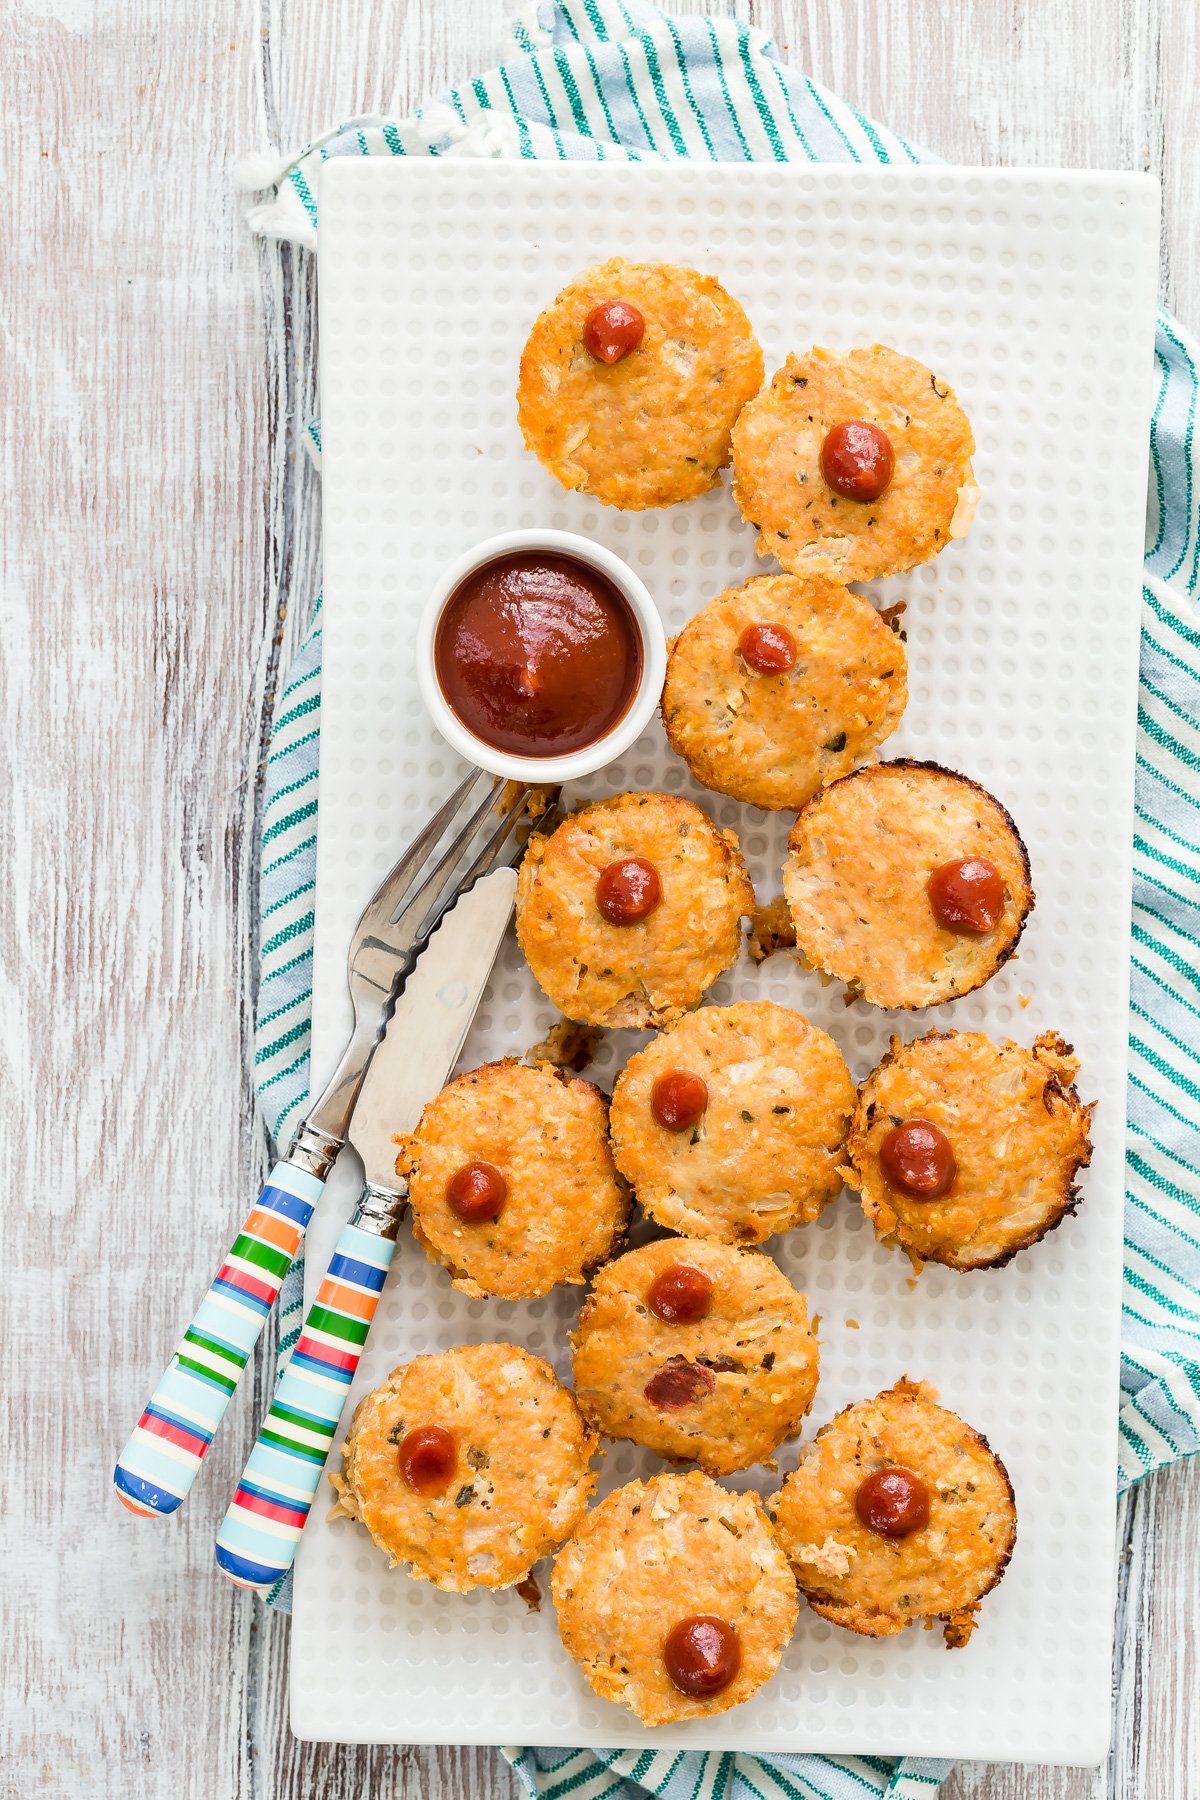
[{"x": 1033, "y": 294}]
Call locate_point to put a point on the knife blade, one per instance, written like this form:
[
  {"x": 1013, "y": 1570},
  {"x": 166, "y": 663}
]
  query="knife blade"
[
  {"x": 427, "y": 1029},
  {"x": 270, "y": 1507}
]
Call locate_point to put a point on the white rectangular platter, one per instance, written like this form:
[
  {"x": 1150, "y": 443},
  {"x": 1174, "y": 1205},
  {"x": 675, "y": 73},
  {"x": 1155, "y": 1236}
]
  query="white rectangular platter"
[{"x": 1033, "y": 293}]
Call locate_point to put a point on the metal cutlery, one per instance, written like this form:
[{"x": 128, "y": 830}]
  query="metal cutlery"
[
  {"x": 261, "y": 1530},
  {"x": 486, "y": 823}
]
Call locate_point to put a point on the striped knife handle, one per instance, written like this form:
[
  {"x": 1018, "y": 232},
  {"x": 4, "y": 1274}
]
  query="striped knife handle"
[
  {"x": 158, "y": 1465},
  {"x": 259, "y": 1534}
]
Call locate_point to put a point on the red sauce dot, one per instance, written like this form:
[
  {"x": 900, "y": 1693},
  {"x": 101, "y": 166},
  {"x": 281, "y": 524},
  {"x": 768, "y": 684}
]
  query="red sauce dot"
[
  {"x": 857, "y": 460},
  {"x": 966, "y": 895},
  {"x": 680, "y": 1294},
  {"x": 476, "y": 1192},
  {"x": 893, "y": 1503},
  {"x": 917, "y": 1158},
  {"x": 428, "y": 1458},
  {"x": 678, "y": 1098},
  {"x": 679, "y": 1383},
  {"x": 771, "y": 649},
  {"x": 612, "y": 330},
  {"x": 628, "y": 890},
  {"x": 702, "y": 1653}
]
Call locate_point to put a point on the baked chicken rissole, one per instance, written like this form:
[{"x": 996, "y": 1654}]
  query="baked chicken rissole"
[
  {"x": 650, "y": 427},
  {"x": 675, "y": 1598},
  {"x": 697, "y": 1351},
  {"x": 782, "y": 470},
  {"x": 781, "y": 685},
  {"x": 898, "y": 1513},
  {"x": 730, "y": 1124},
  {"x": 868, "y": 858},
  {"x": 631, "y": 909},
  {"x": 512, "y": 1186},
  {"x": 965, "y": 1151},
  {"x": 468, "y": 1466}
]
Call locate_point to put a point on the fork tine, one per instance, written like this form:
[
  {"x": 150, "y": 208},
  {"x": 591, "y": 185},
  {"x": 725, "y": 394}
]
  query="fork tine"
[
  {"x": 391, "y": 889},
  {"x": 384, "y": 916},
  {"x": 423, "y": 900},
  {"x": 427, "y": 837},
  {"x": 544, "y": 823},
  {"x": 488, "y": 857}
]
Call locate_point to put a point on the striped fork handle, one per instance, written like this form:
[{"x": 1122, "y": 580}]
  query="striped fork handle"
[
  {"x": 158, "y": 1465},
  {"x": 259, "y": 1534}
]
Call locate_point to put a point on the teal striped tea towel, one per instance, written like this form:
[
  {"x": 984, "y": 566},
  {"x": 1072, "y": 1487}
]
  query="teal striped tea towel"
[{"x": 601, "y": 80}]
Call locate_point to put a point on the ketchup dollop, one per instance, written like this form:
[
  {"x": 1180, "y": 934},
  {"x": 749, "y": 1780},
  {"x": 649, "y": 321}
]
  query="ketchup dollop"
[
  {"x": 967, "y": 895},
  {"x": 428, "y": 1457},
  {"x": 628, "y": 890},
  {"x": 678, "y": 1098},
  {"x": 771, "y": 649},
  {"x": 857, "y": 460},
  {"x": 612, "y": 330},
  {"x": 681, "y": 1294},
  {"x": 477, "y": 1193},
  {"x": 537, "y": 654},
  {"x": 703, "y": 1653},
  {"x": 893, "y": 1502},
  {"x": 918, "y": 1158}
]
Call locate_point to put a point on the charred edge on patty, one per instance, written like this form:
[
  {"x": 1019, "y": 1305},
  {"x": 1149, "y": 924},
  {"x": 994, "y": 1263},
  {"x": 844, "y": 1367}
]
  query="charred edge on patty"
[
  {"x": 1072, "y": 1194},
  {"x": 567, "y": 1045},
  {"x": 771, "y": 929}
]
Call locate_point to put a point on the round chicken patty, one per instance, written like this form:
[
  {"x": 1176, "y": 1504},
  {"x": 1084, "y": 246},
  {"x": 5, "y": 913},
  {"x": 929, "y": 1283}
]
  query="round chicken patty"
[
  {"x": 650, "y": 1564},
  {"x": 467, "y": 1466},
  {"x": 511, "y": 1180},
  {"x": 780, "y": 485},
  {"x": 1017, "y": 1134},
  {"x": 943, "y": 1512},
  {"x": 861, "y": 857},
  {"x": 644, "y": 969},
  {"x": 781, "y": 685},
  {"x": 697, "y": 1351},
  {"x": 653, "y": 427},
  {"x": 763, "y": 1152}
]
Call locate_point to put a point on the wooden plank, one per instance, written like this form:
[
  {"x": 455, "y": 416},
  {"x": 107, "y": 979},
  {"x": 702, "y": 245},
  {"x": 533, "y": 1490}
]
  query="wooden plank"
[{"x": 136, "y": 608}]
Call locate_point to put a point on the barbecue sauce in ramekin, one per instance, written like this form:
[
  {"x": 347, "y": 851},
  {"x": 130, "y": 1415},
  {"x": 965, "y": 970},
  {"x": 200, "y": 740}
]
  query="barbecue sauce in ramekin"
[{"x": 538, "y": 654}]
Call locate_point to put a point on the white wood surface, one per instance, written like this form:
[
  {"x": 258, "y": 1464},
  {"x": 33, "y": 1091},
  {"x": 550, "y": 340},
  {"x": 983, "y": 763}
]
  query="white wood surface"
[{"x": 160, "y": 542}]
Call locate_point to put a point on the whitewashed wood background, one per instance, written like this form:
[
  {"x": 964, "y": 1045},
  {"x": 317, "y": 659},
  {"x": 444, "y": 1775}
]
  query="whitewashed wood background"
[{"x": 160, "y": 544}]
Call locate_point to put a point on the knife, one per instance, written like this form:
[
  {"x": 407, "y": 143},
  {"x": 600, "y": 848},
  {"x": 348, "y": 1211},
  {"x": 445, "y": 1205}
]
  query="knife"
[
  {"x": 261, "y": 1529},
  {"x": 484, "y": 823}
]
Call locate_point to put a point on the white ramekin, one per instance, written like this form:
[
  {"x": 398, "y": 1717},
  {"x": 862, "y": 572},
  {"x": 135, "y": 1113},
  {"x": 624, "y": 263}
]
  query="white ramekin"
[{"x": 544, "y": 769}]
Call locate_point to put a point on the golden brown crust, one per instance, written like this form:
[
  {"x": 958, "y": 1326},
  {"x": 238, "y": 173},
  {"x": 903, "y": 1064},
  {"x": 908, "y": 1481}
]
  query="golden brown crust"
[
  {"x": 771, "y": 929},
  {"x": 755, "y": 1347},
  {"x": 656, "y": 1552},
  {"x": 875, "y": 1585},
  {"x": 547, "y": 1133},
  {"x": 524, "y": 1478},
  {"x": 646, "y": 973},
  {"x": 654, "y": 427},
  {"x": 567, "y": 1045},
  {"x": 859, "y": 857},
  {"x": 1016, "y": 1125},
  {"x": 780, "y": 490},
  {"x": 773, "y": 740},
  {"x": 765, "y": 1156}
]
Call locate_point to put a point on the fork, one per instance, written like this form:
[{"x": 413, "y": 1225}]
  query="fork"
[{"x": 158, "y": 1465}]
